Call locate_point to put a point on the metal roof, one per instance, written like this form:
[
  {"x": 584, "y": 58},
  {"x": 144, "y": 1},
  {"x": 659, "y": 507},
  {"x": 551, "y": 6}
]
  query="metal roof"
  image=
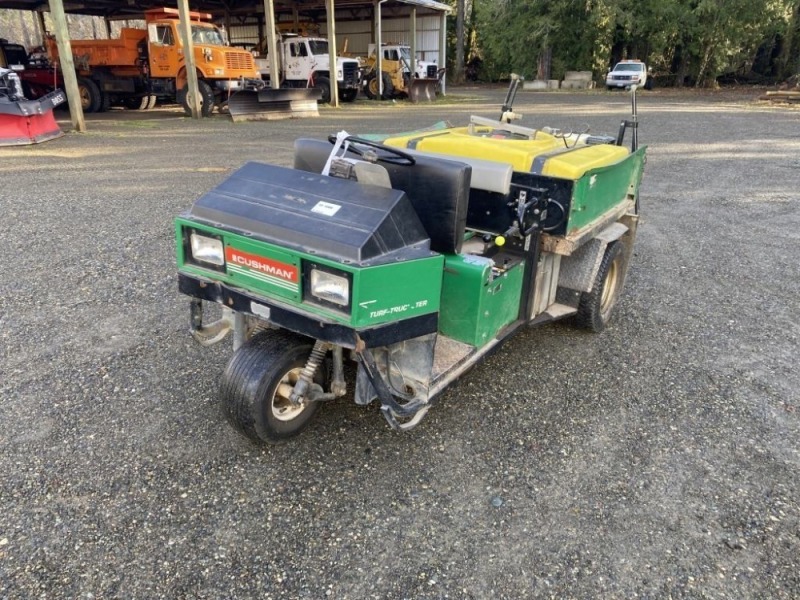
[{"x": 130, "y": 9}]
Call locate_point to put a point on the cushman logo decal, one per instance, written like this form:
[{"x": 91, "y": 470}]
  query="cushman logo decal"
[{"x": 260, "y": 267}]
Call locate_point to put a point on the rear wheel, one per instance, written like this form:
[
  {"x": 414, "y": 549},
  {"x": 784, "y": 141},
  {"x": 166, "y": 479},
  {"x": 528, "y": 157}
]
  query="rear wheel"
[
  {"x": 139, "y": 103},
  {"x": 207, "y": 99},
  {"x": 258, "y": 381},
  {"x": 323, "y": 84},
  {"x": 594, "y": 308},
  {"x": 89, "y": 93}
]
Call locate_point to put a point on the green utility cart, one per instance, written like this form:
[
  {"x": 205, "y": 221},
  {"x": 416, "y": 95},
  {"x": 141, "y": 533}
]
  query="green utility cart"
[{"x": 412, "y": 255}]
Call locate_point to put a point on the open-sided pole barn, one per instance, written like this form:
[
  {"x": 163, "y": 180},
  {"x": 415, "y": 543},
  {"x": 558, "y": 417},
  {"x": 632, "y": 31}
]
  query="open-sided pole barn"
[{"x": 362, "y": 21}]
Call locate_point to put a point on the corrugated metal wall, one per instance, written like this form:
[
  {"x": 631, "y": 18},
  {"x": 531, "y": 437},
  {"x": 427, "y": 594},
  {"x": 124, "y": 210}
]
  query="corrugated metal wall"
[
  {"x": 243, "y": 34},
  {"x": 359, "y": 35}
]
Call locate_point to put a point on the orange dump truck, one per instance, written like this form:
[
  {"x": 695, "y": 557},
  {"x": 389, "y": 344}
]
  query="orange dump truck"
[{"x": 143, "y": 64}]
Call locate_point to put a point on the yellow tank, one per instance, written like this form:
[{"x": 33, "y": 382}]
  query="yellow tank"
[{"x": 555, "y": 159}]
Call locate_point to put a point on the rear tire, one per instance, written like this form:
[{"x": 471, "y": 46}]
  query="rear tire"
[
  {"x": 256, "y": 384},
  {"x": 594, "y": 308},
  {"x": 91, "y": 98}
]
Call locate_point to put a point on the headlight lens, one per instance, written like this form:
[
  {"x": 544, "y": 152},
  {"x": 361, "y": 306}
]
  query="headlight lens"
[
  {"x": 207, "y": 250},
  {"x": 330, "y": 287}
]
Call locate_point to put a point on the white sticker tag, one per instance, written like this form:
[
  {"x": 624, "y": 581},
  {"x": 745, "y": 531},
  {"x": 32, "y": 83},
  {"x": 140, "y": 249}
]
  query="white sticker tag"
[
  {"x": 326, "y": 208},
  {"x": 260, "y": 310}
]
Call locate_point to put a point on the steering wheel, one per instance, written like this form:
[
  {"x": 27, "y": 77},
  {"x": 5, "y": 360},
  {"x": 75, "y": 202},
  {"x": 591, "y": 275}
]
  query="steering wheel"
[{"x": 383, "y": 153}]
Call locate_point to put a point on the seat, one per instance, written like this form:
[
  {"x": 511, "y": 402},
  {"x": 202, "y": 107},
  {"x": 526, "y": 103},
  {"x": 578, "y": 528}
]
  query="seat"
[{"x": 437, "y": 188}]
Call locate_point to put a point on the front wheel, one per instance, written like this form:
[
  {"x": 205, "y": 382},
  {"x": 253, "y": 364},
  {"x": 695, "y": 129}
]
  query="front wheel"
[
  {"x": 371, "y": 88},
  {"x": 323, "y": 84},
  {"x": 594, "y": 308},
  {"x": 258, "y": 381},
  {"x": 348, "y": 95},
  {"x": 207, "y": 99}
]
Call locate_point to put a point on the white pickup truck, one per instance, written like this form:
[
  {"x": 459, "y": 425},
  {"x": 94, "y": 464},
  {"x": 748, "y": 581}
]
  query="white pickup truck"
[{"x": 627, "y": 73}]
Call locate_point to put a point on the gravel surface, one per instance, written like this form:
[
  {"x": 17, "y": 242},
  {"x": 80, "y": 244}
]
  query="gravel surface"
[{"x": 657, "y": 459}]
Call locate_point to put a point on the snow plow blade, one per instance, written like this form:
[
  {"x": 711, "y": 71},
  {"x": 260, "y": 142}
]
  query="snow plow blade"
[
  {"x": 423, "y": 90},
  {"x": 269, "y": 104},
  {"x": 29, "y": 121}
]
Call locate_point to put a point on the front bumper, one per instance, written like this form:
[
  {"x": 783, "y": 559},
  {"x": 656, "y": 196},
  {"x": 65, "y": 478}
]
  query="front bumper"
[
  {"x": 622, "y": 83},
  {"x": 235, "y": 85},
  {"x": 316, "y": 327}
]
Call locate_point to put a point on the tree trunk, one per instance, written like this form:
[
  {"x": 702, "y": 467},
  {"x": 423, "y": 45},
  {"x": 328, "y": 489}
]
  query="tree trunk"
[
  {"x": 789, "y": 59},
  {"x": 461, "y": 10},
  {"x": 545, "y": 62}
]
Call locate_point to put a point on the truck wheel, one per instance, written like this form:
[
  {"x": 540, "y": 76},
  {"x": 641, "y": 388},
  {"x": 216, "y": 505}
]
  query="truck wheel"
[
  {"x": 349, "y": 95},
  {"x": 91, "y": 98},
  {"x": 257, "y": 382},
  {"x": 207, "y": 99},
  {"x": 594, "y": 308},
  {"x": 323, "y": 84}
]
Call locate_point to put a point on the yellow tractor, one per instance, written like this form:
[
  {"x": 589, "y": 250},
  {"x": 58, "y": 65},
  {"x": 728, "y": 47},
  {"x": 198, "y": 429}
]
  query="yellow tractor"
[{"x": 396, "y": 75}]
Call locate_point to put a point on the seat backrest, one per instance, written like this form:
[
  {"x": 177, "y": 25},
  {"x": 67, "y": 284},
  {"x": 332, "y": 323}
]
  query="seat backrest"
[{"x": 437, "y": 188}]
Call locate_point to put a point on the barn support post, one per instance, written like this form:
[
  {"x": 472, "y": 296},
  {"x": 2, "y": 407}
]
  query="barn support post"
[
  {"x": 334, "y": 72},
  {"x": 413, "y": 41},
  {"x": 67, "y": 65},
  {"x": 443, "y": 51},
  {"x": 272, "y": 45},
  {"x": 193, "y": 95}
]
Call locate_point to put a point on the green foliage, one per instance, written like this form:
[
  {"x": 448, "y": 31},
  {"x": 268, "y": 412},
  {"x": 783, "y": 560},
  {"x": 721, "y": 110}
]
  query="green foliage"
[{"x": 685, "y": 41}]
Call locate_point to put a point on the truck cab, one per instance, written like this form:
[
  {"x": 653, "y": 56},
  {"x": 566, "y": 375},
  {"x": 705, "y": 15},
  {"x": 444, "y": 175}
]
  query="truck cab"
[
  {"x": 305, "y": 62},
  {"x": 394, "y": 52},
  {"x": 220, "y": 67},
  {"x": 12, "y": 56}
]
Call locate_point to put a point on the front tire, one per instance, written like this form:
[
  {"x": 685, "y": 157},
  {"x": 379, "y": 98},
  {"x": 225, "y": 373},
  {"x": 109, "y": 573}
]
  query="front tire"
[
  {"x": 207, "y": 99},
  {"x": 349, "y": 95},
  {"x": 323, "y": 84},
  {"x": 257, "y": 382},
  {"x": 594, "y": 308},
  {"x": 371, "y": 89}
]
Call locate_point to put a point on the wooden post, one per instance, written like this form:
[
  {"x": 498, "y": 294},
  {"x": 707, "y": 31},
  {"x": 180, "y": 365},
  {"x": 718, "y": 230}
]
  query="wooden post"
[
  {"x": 413, "y": 43},
  {"x": 107, "y": 21},
  {"x": 334, "y": 67},
  {"x": 67, "y": 65},
  {"x": 272, "y": 45},
  {"x": 378, "y": 49},
  {"x": 193, "y": 96}
]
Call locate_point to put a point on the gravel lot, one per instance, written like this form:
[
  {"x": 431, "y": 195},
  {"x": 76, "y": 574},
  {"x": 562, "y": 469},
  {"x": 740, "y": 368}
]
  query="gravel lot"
[{"x": 658, "y": 459}]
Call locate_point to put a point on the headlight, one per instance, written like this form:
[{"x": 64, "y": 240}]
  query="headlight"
[
  {"x": 330, "y": 287},
  {"x": 219, "y": 71},
  {"x": 208, "y": 250},
  {"x": 339, "y": 74}
]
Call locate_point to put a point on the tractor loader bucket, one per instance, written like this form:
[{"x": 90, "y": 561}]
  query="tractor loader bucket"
[
  {"x": 269, "y": 104},
  {"x": 29, "y": 121}
]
